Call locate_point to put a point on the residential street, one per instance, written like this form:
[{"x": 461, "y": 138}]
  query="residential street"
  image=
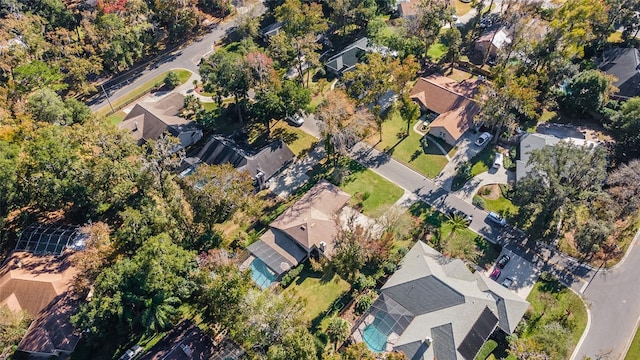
[
  {"x": 611, "y": 295},
  {"x": 185, "y": 58}
]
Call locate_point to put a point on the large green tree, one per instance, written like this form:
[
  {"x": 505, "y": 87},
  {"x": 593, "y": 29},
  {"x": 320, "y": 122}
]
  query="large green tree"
[
  {"x": 626, "y": 129},
  {"x": 562, "y": 178},
  {"x": 141, "y": 293}
]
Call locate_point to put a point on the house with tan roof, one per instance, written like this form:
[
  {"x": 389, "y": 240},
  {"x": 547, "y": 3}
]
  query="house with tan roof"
[
  {"x": 37, "y": 278},
  {"x": 433, "y": 307},
  {"x": 408, "y": 9},
  {"x": 306, "y": 228},
  {"x": 149, "y": 121},
  {"x": 452, "y": 101}
]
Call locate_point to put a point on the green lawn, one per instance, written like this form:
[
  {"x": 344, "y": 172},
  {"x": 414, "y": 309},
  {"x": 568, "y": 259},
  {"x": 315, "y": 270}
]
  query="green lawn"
[
  {"x": 462, "y": 8},
  {"x": 319, "y": 291},
  {"x": 140, "y": 91},
  {"x": 553, "y": 303},
  {"x": 370, "y": 189},
  {"x": 428, "y": 161},
  {"x": 297, "y": 139},
  {"x": 436, "y": 51},
  {"x": 438, "y": 221},
  {"x": 116, "y": 117},
  {"x": 501, "y": 205},
  {"x": 634, "y": 349},
  {"x": 483, "y": 160}
]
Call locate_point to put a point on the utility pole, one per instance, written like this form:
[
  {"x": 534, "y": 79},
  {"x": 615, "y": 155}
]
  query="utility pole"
[{"x": 107, "y": 96}]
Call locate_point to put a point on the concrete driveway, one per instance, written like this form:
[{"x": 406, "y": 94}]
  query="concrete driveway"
[
  {"x": 466, "y": 150},
  {"x": 524, "y": 272}
]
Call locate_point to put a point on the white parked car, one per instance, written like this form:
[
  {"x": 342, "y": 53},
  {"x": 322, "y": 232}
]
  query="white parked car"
[
  {"x": 484, "y": 137},
  {"x": 508, "y": 282},
  {"x": 496, "y": 218},
  {"x": 132, "y": 353},
  {"x": 497, "y": 162},
  {"x": 295, "y": 119}
]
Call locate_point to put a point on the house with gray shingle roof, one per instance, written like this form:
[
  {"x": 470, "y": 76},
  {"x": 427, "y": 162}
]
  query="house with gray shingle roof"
[
  {"x": 433, "y": 307},
  {"x": 347, "y": 59},
  {"x": 624, "y": 64}
]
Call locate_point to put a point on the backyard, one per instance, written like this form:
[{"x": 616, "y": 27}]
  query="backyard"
[
  {"x": 427, "y": 160},
  {"x": 318, "y": 291}
]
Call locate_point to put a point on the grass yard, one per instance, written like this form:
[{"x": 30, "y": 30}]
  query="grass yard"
[
  {"x": 438, "y": 220},
  {"x": 554, "y": 305},
  {"x": 436, "y": 51},
  {"x": 483, "y": 160},
  {"x": 140, "y": 91},
  {"x": 462, "y": 8},
  {"x": 369, "y": 189},
  {"x": 501, "y": 204},
  {"x": 116, "y": 117},
  {"x": 634, "y": 350},
  {"x": 298, "y": 140},
  {"x": 428, "y": 161},
  {"x": 319, "y": 291}
]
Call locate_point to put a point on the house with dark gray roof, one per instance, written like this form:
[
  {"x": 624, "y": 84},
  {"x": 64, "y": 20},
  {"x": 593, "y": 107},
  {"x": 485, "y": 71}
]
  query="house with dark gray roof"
[
  {"x": 624, "y": 64},
  {"x": 433, "y": 307},
  {"x": 347, "y": 59},
  {"x": 262, "y": 164},
  {"x": 149, "y": 121}
]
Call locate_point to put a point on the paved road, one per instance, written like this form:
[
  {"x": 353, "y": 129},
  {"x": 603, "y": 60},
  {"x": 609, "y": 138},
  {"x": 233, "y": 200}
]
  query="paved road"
[
  {"x": 615, "y": 308},
  {"x": 184, "y": 58}
]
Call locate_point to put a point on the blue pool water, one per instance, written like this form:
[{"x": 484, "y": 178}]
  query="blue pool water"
[
  {"x": 376, "y": 341},
  {"x": 261, "y": 274}
]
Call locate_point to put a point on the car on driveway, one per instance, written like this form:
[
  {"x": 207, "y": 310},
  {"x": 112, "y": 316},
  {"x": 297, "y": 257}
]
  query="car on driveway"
[
  {"x": 484, "y": 137},
  {"x": 496, "y": 218},
  {"x": 495, "y": 274},
  {"x": 295, "y": 119},
  {"x": 502, "y": 261},
  {"x": 497, "y": 162},
  {"x": 508, "y": 282}
]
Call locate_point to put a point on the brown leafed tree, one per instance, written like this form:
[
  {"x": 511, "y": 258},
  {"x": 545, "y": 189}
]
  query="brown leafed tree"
[{"x": 98, "y": 254}]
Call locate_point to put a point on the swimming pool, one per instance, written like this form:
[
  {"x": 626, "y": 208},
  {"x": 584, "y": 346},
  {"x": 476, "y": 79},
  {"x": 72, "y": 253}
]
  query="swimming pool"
[
  {"x": 376, "y": 341},
  {"x": 261, "y": 273}
]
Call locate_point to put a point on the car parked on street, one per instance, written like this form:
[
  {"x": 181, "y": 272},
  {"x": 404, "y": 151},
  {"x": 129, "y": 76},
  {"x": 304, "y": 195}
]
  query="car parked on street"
[
  {"x": 502, "y": 261},
  {"x": 496, "y": 218},
  {"x": 483, "y": 139},
  {"x": 467, "y": 217},
  {"x": 295, "y": 119}
]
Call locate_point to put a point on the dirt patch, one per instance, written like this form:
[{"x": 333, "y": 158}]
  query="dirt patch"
[{"x": 490, "y": 192}]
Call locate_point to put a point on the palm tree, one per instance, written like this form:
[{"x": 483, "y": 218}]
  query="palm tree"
[
  {"x": 338, "y": 330},
  {"x": 159, "y": 312},
  {"x": 457, "y": 222}
]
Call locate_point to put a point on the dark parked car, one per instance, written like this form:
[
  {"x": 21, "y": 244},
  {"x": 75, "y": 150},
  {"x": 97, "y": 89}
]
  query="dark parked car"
[
  {"x": 504, "y": 259},
  {"x": 508, "y": 282}
]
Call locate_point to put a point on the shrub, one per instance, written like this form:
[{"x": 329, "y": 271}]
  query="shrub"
[
  {"x": 364, "y": 282},
  {"x": 171, "y": 80},
  {"x": 288, "y": 278},
  {"x": 364, "y": 302},
  {"x": 479, "y": 202},
  {"x": 389, "y": 267}
]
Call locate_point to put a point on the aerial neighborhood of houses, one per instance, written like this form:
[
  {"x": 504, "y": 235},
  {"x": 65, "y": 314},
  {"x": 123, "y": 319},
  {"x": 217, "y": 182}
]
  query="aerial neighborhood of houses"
[{"x": 421, "y": 180}]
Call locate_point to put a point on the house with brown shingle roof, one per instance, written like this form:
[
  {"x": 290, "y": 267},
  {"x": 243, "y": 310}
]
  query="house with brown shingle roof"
[
  {"x": 307, "y": 227},
  {"x": 452, "y": 101},
  {"x": 39, "y": 285},
  {"x": 150, "y": 121}
]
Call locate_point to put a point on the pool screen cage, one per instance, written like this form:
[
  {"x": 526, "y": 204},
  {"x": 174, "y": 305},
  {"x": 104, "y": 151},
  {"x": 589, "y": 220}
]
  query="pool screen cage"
[
  {"x": 41, "y": 239},
  {"x": 389, "y": 316}
]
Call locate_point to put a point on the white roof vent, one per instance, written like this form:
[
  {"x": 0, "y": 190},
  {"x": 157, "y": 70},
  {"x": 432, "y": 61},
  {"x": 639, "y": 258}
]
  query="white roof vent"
[{"x": 323, "y": 246}]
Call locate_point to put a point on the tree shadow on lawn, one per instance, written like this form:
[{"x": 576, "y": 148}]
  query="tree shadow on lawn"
[{"x": 285, "y": 135}]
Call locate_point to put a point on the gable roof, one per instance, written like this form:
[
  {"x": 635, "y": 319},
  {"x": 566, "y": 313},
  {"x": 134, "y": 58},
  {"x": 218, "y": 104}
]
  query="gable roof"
[
  {"x": 346, "y": 59},
  {"x": 456, "y": 309},
  {"x": 52, "y": 331},
  {"x": 150, "y": 121},
  {"x": 408, "y": 9},
  {"x": 311, "y": 219},
  {"x": 624, "y": 64},
  {"x": 30, "y": 282},
  {"x": 441, "y": 94},
  {"x": 268, "y": 160}
]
